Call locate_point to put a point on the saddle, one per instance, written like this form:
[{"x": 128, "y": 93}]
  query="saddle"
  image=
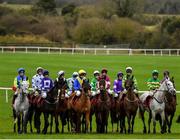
[{"x": 38, "y": 101}]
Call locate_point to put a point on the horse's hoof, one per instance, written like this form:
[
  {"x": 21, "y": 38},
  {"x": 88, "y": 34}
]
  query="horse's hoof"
[
  {"x": 149, "y": 132},
  {"x": 38, "y": 131},
  {"x": 20, "y": 132},
  {"x": 129, "y": 131},
  {"x": 162, "y": 132},
  {"x": 154, "y": 132},
  {"x": 44, "y": 131},
  {"x": 144, "y": 131}
]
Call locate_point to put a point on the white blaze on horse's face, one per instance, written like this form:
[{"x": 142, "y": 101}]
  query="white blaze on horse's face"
[
  {"x": 25, "y": 86},
  {"x": 169, "y": 86}
]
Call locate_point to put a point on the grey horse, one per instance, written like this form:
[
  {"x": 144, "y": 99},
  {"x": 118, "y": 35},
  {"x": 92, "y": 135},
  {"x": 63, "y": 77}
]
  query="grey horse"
[{"x": 20, "y": 108}]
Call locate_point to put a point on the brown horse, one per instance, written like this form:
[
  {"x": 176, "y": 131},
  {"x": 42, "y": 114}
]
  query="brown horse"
[
  {"x": 170, "y": 107},
  {"x": 103, "y": 108},
  {"x": 80, "y": 106},
  {"x": 131, "y": 104},
  {"x": 62, "y": 109}
]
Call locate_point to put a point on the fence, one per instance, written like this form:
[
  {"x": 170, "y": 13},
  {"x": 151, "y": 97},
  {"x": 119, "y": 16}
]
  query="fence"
[
  {"x": 7, "y": 89},
  {"x": 94, "y": 51}
]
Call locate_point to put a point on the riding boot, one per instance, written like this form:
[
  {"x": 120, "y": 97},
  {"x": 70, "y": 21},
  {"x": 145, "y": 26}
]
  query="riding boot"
[{"x": 13, "y": 100}]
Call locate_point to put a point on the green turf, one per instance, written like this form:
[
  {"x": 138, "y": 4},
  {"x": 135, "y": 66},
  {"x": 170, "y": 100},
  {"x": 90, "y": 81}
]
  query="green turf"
[{"x": 142, "y": 65}]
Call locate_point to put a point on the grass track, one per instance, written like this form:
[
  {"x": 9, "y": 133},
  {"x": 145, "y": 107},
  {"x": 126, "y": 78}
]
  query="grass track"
[{"x": 142, "y": 65}]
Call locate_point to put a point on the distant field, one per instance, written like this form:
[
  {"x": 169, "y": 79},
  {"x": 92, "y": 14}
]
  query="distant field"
[{"x": 142, "y": 65}]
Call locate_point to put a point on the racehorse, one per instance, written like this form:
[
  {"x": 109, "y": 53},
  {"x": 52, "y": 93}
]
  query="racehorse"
[
  {"x": 61, "y": 109},
  {"x": 21, "y": 106},
  {"x": 80, "y": 106},
  {"x": 170, "y": 107},
  {"x": 131, "y": 103},
  {"x": 103, "y": 108},
  {"x": 156, "y": 105},
  {"x": 47, "y": 106}
]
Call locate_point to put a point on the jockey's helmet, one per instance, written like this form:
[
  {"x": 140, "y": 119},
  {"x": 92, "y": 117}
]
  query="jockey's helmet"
[
  {"x": 82, "y": 72},
  {"x": 96, "y": 72},
  {"x": 21, "y": 70},
  {"x": 104, "y": 70},
  {"x": 155, "y": 72},
  {"x": 75, "y": 74},
  {"x": 129, "y": 70},
  {"x": 39, "y": 69},
  {"x": 60, "y": 73},
  {"x": 120, "y": 74},
  {"x": 45, "y": 72}
]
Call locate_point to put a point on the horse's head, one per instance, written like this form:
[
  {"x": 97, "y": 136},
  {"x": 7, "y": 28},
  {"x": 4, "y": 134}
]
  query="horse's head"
[
  {"x": 168, "y": 86},
  {"x": 102, "y": 85},
  {"x": 86, "y": 86},
  {"x": 24, "y": 86},
  {"x": 129, "y": 83},
  {"x": 62, "y": 92}
]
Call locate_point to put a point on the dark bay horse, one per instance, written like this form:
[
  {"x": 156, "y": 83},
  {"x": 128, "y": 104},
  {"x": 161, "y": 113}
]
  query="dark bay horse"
[
  {"x": 46, "y": 106},
  {"x": 80, "y": 107},
  {"x": 131, "y": 103},
  {"x": 103, "y": 108},
  {"x": 170, "y": 107}
]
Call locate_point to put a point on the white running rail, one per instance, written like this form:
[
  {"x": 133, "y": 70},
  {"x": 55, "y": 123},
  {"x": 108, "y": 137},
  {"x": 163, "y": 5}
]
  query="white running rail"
[
  {"x": 94, "y": 51},
  {"x": 10, "y": 89}
]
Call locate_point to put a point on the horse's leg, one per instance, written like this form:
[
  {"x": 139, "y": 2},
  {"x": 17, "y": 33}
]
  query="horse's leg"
[
  {"x": 25, "y": 121},
  {"x": 37, "y": 121},
  {"x": 15, "y": 119},
  {"x": 129, "y": 123},
  {"x": 163, "y": 122},
  {"x": 132, "y": 127},
  {"x": 51, "y": 124},
  {"x": 87, "y": 121},
  {"x": 62, "y": 121},
  {"x": 149, "y": 121},
  {"x": 46, "y": 123},
  {"x": 30, "y": 115},
  {"x": 154, "y": 121},
  {"x": 90, "y": 119},
  {"x": 57, "y": 122},
  {"x": 141, "y": 113},
  {"x": 171, "y": 118},
  {"x": 19, "y": 124},
  {"x": 117, "y": 130}
]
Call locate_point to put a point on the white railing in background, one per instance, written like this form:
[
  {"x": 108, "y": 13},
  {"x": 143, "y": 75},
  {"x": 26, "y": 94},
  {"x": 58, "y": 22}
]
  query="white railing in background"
[
  {"x": 7, "y": 89},
  {"x": 94, "y": 51}
]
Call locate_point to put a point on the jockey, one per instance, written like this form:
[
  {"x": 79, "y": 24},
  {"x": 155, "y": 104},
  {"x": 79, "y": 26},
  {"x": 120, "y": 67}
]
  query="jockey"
[
  {"x": 94, "y": 83},
  {"x": 118, "y": 88},
  {"x": 128, "y": 75},
  {"x": 107, "y": 79},
  {"x": 153, "y": 83},
  {"x": 17, "y": 82},
  {"x": 46, "y": 84},
  {"x": 60, "y": 80},
  {"x": 36, "y": 80},
  {"x": 70, "y": 82},
  {"x": 78, "y": 82}
]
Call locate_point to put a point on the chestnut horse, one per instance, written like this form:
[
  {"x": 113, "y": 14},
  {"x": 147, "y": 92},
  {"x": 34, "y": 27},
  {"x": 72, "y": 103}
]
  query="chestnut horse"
[
  {"x": 131, "y": 104},
  {"x": 80, "y": 106}
]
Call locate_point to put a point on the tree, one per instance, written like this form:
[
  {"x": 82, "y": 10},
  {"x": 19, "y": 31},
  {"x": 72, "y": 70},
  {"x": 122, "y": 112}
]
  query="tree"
[
  {"x": 45, "y": 6},
  {"x": 127, "y": 8}
]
